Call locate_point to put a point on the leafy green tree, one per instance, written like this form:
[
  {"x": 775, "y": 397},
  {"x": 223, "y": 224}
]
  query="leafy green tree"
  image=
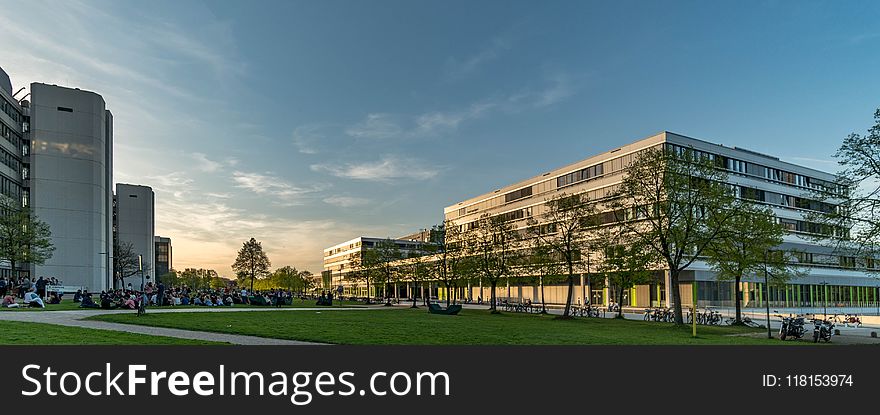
[
  {"x": 626, "y": 266},
  {"x": 381, "y": 261},
  {"x": 450, "y": 251},
  {"x": 675, "y": 204},
  {"x": 540, "y": 261},
  {"x": 492, "y": 244},
  {"x": 565, "y": 228},
  {"x": 742, "y": 250},
  {"x": 853, "y": 226},
  {"x": 287, "y": 277},
  {"x": 24, "y": 238},
  {"x": 252, "y": 262}
]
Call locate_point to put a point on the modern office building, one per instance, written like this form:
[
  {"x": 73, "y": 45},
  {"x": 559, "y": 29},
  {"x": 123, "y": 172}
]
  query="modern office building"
[
  {"x": 784, "y": 187},
  {"x": 70, "y": 181},
  {"x": 135, "y": 223},
  {"x": 14, "y": 151},
  {"x": 340, "y": 259},
  {"x": 163, "y": 256}
]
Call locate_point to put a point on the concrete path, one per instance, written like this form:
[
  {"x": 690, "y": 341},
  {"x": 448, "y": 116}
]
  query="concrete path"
[{"x": 74, "y": 318}]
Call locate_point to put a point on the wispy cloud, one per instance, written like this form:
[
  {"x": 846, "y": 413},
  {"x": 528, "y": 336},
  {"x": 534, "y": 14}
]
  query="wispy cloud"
[
  {"x": 376, "y": 126},
  {"x": 456, "y": 69},
  {"x": 385, "y": 169},
  {"x": 346, "y": 201},
  {"x": 306, "y": 138},
  {"x": 556, "y": 87},
  {"x": 205, "y": 164},
  {"x": 267, "y": 184}
]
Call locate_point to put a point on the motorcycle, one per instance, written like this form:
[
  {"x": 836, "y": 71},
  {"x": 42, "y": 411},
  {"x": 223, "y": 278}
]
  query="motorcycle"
[
  {"x": 822, "y": 329},
  {"x": 792, "y": 327}
]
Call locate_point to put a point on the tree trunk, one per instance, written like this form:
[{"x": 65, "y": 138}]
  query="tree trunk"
[
  {"x": 413, "y": 294},
  {"x": 543, "y": 302},
  {"x": 620, "y": 303},
  {"x": 368, "y": 290},
  {"x": 676, "y": 297},
  {"x": 567, "y": 311},
  {"x": 493, "y": 283},
  {"x": 736, "y": 293},
  {"x": 253, "y": 277},
  {"x": 448, "y": 293}
]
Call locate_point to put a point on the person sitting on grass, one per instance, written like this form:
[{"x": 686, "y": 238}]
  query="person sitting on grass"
[
  {"x": 33, "y": 299},
  {"x": 9, "y": 301},
  {"x": 130, "y": 303},
  {"x": 78, "y": 296},
  {"x": 86, "y": 301},
  {"x": 54, "y": 298}
]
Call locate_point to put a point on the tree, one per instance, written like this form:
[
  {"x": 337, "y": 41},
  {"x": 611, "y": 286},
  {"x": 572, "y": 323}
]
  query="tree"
[
  {"x": 742, "y": 250},
  {"x": 287, "y": 277},
  {"x": 24, "y": 238},
  {"x": 675, "y": 204},
  {"x": 126, "y": 263},
  {"x": 252, "y": 262},
  {"x": 414, "y": 269},
  {"x": 308, "y": 282},
  {"x": 854, "y": 225},
  {"x": 540, "y": 262},
  {"x": 361, "y": 268},
  {"x": 625, "y": 266},
  {"x": 564, "y": 229},
  {"x": 492, "y": 244},
  {"x": 450, "y": 251},
  {"x": 381, "y": 261}
]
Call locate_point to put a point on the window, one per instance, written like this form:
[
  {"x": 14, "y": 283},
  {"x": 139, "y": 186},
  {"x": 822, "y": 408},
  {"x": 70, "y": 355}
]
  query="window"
[
  {"x": 518, "y": 194},
  {"x": 65, "y": 109}
]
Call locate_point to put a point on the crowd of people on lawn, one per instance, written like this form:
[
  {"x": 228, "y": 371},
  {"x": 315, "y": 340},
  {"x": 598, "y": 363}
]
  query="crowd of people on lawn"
[{"x": 29, "y": 290}]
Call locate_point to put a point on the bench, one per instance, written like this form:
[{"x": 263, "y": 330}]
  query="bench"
[{"x": 449, "y": 311}]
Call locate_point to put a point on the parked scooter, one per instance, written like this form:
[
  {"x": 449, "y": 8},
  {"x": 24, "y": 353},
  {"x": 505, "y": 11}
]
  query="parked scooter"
[
  {"x": 823, "y": 330},
  {"x": 792, "y": 327}
]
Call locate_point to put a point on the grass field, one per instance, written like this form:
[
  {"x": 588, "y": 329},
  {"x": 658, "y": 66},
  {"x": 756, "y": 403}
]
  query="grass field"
[
  {"x": 68, "y": 304},
  {"x": 405, "y": 326},
  {"x": 20, "y": 333}
]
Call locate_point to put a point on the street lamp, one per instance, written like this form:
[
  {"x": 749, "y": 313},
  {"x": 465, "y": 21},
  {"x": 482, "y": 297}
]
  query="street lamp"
[
  {"x": 141, "y": 270},
  {"x": 767, "y": 296}
]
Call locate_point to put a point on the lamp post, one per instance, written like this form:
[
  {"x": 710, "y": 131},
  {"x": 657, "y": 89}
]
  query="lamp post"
[
  {"x": 824, "y": 300},
  {"x": 588, "y": 301},
  {"x": 767, "y": 296},
  {"x": 141, "y": 270}
]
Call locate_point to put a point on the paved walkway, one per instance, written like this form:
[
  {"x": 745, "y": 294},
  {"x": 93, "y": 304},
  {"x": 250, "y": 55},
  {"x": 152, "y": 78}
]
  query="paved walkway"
[{"x": 74, "y": 318}]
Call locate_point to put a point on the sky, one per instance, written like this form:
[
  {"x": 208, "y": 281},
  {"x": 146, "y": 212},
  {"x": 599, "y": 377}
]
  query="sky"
[{"x": 306, "y": 124}]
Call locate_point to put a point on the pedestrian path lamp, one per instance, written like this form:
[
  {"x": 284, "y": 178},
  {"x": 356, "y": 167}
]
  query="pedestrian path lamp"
[
  {"x": 824, "y": 300},
  {"x": 767, "y": 296},
  {"x": 141, "y": 270}
]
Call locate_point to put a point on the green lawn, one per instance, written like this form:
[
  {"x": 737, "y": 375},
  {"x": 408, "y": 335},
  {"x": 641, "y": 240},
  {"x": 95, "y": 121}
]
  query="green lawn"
[
  {"x": 68, "y": 304},
  {"x": 405, "y": 326},
  {"x": 20, "y": 333}
]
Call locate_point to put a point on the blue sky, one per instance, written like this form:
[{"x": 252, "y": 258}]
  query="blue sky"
[{"x": 305, "y": 124}]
